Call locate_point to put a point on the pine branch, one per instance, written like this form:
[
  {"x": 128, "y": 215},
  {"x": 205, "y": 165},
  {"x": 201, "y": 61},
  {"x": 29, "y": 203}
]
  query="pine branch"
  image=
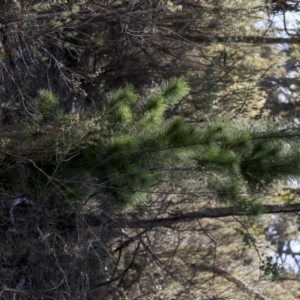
[{"x": 223, "y": 273}]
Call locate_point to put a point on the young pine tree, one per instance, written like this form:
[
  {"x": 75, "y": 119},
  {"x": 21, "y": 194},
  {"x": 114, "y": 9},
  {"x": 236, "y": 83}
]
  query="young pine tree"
[{"x": 127, "y": 150}]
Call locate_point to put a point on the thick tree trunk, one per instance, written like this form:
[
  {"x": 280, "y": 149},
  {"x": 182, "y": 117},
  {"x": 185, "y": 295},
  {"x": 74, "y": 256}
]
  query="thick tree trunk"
[{"x": 219, "y": 212}]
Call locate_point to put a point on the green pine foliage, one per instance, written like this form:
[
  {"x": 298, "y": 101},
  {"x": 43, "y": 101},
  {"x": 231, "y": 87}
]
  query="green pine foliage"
[
  {"x": 46, "y": 101},
  {"x": 127, "y": 150}
]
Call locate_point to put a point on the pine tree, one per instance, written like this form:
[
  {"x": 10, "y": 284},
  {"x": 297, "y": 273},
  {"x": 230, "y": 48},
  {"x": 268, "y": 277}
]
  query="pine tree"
[{"x": 128, "y": 149}]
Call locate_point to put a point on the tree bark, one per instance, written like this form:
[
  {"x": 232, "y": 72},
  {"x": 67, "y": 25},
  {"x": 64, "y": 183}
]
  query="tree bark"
[
  {"x": 205, "y": 39},
  {"x": 210, "y": 213}
]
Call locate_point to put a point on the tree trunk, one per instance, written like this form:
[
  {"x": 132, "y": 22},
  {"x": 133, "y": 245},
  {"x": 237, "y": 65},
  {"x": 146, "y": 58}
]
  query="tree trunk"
[
  {"x": 212, "y": 213},
  {"x": 203, "y": 39}
]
